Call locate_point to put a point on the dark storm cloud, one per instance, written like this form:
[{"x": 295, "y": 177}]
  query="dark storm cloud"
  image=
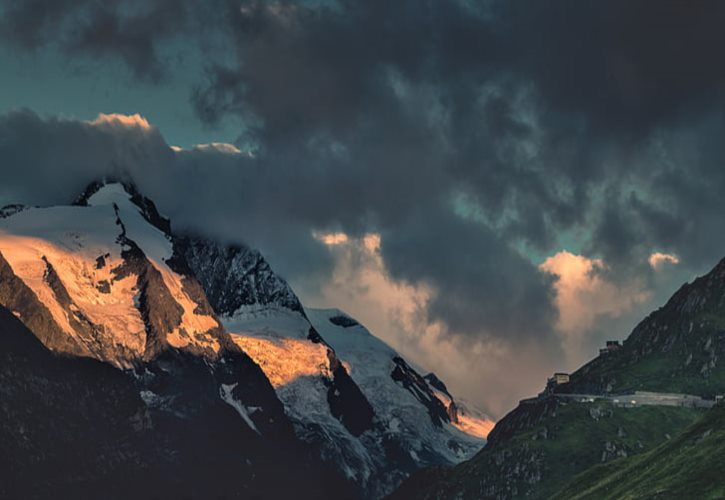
[
  {"x": 624, "y": 66},
  {"x": 130, "y": 30},
  {"x": 459, "y": 130},
  {"x": 49, "y": 161},
  {"x": 45, "y": 161},
  {"x": 465, "y": 256},
  {"x": 600, "y": 78}
]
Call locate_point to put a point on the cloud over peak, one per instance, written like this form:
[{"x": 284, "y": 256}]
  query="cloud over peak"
[{"x": 120, "y": 120}]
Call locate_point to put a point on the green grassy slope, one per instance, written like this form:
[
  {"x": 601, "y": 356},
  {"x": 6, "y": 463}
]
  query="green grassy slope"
[
  {"x": 688, "y": 466},
  {"x": 545, "y": 451}
]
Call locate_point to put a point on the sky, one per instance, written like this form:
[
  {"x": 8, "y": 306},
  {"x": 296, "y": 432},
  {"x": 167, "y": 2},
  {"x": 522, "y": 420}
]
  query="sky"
[{"x": 494, "y": 188}]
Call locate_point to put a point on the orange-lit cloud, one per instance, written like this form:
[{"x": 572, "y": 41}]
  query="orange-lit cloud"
[
  {"x": 219, "y": 147},
  {"x": 331, "y": 239},
  {"x": 371, "y": 242},
  {"x": 583, "y": 294},
  {"x": 395, "y": 312},
  {"x": 116, "y": 120},
  {"x": 658, "y": 259}
]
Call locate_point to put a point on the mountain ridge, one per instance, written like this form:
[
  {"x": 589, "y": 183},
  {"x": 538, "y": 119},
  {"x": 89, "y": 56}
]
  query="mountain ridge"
[{"x": 198, "y": 326}]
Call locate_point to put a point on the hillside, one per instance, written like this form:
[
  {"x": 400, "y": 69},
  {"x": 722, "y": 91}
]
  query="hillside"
[
  {"x": 541, "y": 445},
  {"x": 688, "y": 466},
  {"x": 677, "y": 348},
  {"x": 546, "y": 441}
]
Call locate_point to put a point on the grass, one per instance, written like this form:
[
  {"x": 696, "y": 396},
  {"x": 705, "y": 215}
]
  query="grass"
[
  {"x": 540, "y": 460},
  {"x": 688, "y": 466}
]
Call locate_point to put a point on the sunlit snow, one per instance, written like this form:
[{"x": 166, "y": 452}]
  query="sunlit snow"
[{"x": 72, "y": 240}]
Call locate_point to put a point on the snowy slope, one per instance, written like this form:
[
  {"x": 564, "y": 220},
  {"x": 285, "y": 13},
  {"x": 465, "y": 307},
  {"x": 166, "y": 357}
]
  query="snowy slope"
[
  {"x": 78, "y": 261},
  {"x": 405, "y": 408},
  {"x": 69, "y": 240},
  {"x": 408, "y": 432},
  {"x": 158, "y": 249},
  {"x": 302, "y": 372},
  {"x": 102, "y": 279}
]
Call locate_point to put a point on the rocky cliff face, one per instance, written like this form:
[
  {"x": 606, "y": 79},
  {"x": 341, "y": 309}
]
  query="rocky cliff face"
[
  {"x": 234, "y": 276},
  {"x": 79, "y": 428}
]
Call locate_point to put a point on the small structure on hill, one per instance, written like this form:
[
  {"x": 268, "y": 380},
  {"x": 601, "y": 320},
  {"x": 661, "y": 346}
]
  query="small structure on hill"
[
  {"x": 552, "y": 382},
  {"x": 611, "y": 346}
]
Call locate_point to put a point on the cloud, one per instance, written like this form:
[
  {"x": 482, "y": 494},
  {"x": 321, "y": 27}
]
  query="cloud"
[
  {"x": 584, "y": 295},
  {"x": 658, "y": 259},
  {"x": 131, "y": 31},
  {"x": 119, "y": 120},
  {"x": 50, "y": 160},
  {"x": 473, "y": 138},
  {"x": 395, "y": 311},
  {"x": 481, "y": 287},
  {"x": 332, "y": 239},
  {"x": 219, "y": 147}
]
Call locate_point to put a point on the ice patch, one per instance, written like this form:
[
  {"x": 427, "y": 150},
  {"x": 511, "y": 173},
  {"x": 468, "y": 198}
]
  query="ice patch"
[
  {"x": 71, "y": 239},
  {"x": 150, "y": 398},
  {"x": 225, "y": 392},
  {"x": 267, "y": 321}
]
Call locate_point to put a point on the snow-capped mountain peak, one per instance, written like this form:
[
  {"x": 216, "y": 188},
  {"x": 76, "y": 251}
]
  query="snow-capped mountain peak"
[
  {"x": 98, "y": 281},
  {"x": 387, "y": 376},
  {"x": 107, "y": 278},
  {"x": 112, "y": 190}
]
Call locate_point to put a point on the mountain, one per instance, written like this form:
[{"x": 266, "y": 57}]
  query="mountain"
[
  {"x": 212, "y": 353},
  {"x": 372, "y": 415},
  {"x": 688, "y": 466},
  {"x": 75, "y": 427},
  {"x": 637, "y": 400},
  {"x": 135, "y": 373},
  {"x": 415, "y": 424}
]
